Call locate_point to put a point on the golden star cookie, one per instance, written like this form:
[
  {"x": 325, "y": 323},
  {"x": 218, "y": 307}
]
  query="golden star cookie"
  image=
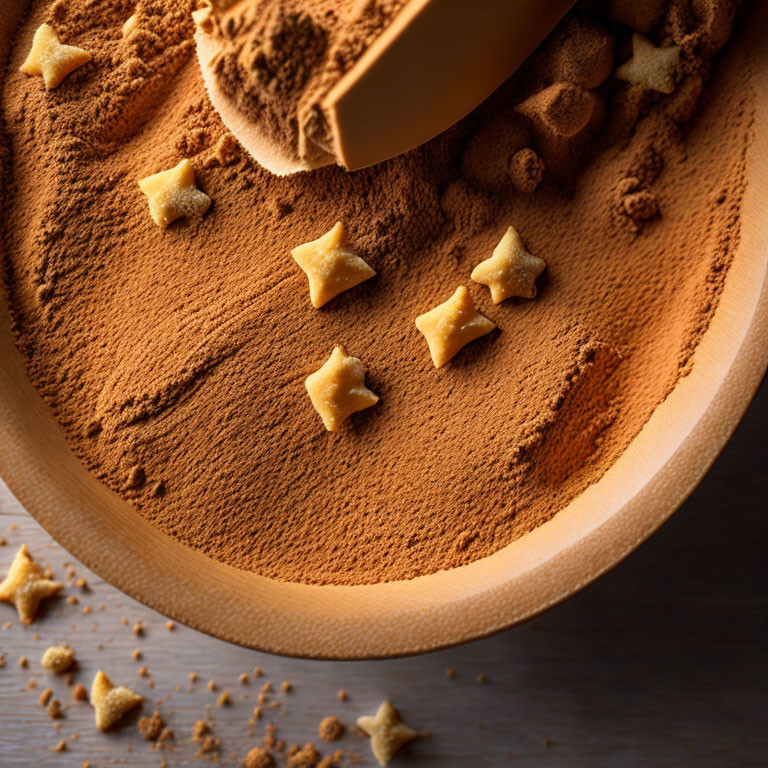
[
  {"x": 337, "y": 389},
  {"x": 388, "y": 733},
  {"x": 511, "y": 270},
  {"x": 111, "y": 702},
  {"x": 331, "y": 265},
  {"x": 656, "y": 69},
  {"x": 51, "y": 59},
  {"x": 172, "y": 194},
  {"x": 452, "y": 325},
  {"x": 26, "y": 585}
]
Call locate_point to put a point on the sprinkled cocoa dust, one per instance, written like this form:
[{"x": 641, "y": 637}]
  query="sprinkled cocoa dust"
[{"x": 176, "y": 357}]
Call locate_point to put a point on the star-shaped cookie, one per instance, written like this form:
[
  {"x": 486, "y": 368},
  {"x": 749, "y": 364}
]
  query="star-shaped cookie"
[
  {"x": 331, "y": 265},
  {"x": 173, "y": 194},
  {"x": 51, "y": 59},
  {"x": 337, "y": 389},
  {"x": 511, "y": 270},
  {"x": 26, "y": 585},
  {"x": 111, "y": 702},
  {"x": 388, "y": 733},
  {"x": 451, "y": 325},
  {"x": 650, "y": 67}
]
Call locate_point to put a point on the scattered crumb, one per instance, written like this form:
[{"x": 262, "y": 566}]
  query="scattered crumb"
[
  {"x": 243, "y": 679},
  {"x": 23, "y": 662},
  {"x": 143, "y": 672},
  {"x": 546, "y": 742},
  {"x": 257, "y": 672},
  {"x": 150, "y": 728},
  {"x": 286, "y": 687},
  {"x": 124, "y": 621},
  {"x": 224, "y": 700},
  {"x": 54, "y": 709},
  {"x": 330, "y": 729},
  {"x": 138, "y": 629},
  {"x": 258, "y": 757},
  {"x": 82, "y": 584},
  {"x": 170, "y": 625},
  {"x": 306, "y": 757},
  {"x": 3, "y": 541},
  {"x": 75, "y": 736},
  {"x": 60, "y": 747},
  {"x": 72, "y": 600},
  {"x": 87, "y": 609},
  {"x": 32, "y": 684},
  {"x": 211, "y": 685},
  {"x": 200, "y": 729},
  {"x": 13, "y": 527},
  {"x": 193, "y": 677},
  {"x": 342, "y": 695},
  {"x": 3, "y": 657},
  {"x": 210, "y": 744},
  {"x": 79, "y": 693},
  {"x": 58, "y": 659},
  {"x": 450, "y": 673},
  {"x": 45, "y": 696},
  {"x": 136, "y": 654},
  {"x": 481, "y": 678}
]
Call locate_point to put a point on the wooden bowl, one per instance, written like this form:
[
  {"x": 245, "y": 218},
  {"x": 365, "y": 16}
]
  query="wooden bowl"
[{"x": 610, "y": 519}]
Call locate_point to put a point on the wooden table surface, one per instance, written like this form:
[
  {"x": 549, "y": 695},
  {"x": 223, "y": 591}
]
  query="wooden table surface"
[{"x": 664, "y": 662}]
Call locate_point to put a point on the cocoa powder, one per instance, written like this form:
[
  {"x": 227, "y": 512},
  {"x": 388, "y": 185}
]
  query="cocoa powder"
[{"x": 174, "y": 359}]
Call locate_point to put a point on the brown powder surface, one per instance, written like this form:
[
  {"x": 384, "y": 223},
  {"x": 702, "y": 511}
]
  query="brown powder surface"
[{"x": 175, "y": 359}]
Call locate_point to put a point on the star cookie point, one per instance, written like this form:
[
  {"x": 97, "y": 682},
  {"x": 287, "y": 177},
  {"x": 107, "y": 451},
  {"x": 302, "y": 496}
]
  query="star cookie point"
[
  {"x": 173, "y": 194},
  {"x": 111, "y": 702},
  {"x": 337, "y": 389},
  {"x": 52, "y": 59},
  {"x": 26, "y": 585},
  {"x": 511, "y": 270},
  {"x": 130, "y": 25},
  {"x": 331, "y": 265},
  {"x": 452, "y": 325},
  {"x": 388, "y": 733},
  {"x": 653, "y": 68}
]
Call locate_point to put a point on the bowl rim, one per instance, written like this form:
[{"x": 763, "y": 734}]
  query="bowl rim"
[{"x": 590, "y": 536}]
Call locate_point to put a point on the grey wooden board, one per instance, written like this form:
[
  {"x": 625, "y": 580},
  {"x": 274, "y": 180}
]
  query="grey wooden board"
[{"x": 664, "y": 662}]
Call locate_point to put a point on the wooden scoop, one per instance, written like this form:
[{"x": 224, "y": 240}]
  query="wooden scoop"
[{"x": 436, "y": 62}]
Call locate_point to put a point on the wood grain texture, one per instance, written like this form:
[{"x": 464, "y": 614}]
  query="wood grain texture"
[{"x": 664, "y": 662}]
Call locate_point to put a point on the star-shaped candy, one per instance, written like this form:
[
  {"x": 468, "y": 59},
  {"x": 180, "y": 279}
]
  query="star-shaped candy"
[
  {"x": 111, "y": 702},
  {"x": 511, "y": 270},
  {"x": 26, "y": 585},
  {"x": 337, "y": 389},
  {"x": 388, "y": 733},
  {"x": 451, "y": 325},
  {"x": 49, "y": 58},
  {"x": 331, "y": 265},
  {"x": 173, "y": 194},
  {"x": 650, "y": 67}
]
